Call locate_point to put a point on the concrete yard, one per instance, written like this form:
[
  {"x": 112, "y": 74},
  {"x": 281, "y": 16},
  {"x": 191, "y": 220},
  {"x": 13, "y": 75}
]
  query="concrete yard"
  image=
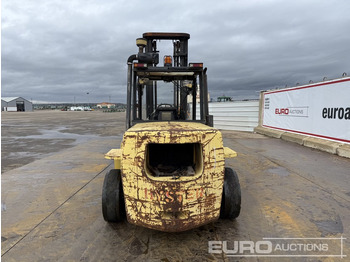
[{"x": 53, "y": 168}]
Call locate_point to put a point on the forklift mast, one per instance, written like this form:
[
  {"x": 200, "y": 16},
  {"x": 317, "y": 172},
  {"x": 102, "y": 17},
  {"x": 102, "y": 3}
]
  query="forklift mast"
[{"x": 144, "y": 74}]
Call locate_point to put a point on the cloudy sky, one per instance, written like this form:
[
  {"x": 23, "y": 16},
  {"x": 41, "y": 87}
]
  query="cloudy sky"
[{"x": 58, "y": 51}]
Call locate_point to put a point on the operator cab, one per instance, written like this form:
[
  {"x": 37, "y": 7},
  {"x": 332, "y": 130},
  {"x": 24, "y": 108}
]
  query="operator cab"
[
  {"x": 165, "y": 112},
  {"x": 182, "y": 83}
]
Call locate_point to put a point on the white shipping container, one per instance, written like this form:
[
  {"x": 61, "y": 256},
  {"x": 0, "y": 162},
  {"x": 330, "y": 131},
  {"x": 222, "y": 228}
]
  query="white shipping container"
[
  {"x": 235, "y": 115},
  {"x": 11, "y": 109}
]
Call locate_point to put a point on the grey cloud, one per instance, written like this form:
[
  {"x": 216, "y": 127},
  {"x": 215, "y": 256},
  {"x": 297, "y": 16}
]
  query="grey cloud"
[{"x": 55, "y": 50}]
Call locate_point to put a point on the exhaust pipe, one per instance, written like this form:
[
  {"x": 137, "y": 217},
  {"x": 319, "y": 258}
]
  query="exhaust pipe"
[{"x": 128, "y": 99}]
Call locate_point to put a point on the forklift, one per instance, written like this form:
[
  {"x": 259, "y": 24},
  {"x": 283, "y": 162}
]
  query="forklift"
[{"x": 169, "y": 174}]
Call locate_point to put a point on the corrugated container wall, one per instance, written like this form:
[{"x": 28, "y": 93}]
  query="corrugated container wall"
[{"x": 236, "y": 115}]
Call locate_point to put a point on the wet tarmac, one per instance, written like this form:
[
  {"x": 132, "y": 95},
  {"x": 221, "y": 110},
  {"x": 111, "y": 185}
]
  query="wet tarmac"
[
  {"x": 33, "y": 135},
  {"x": 52, "y": 174}
]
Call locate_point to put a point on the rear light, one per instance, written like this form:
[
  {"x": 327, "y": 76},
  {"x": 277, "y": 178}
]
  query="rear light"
[
  {"x": 196, "y": 65},
  {"x": 140, "y": 65},
  {"x": 168, "y": 60}
]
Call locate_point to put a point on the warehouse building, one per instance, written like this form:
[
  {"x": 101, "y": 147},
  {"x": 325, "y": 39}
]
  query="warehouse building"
[
  {"x": 105, "y": 105},
  {"x": 15, "y": 104}
]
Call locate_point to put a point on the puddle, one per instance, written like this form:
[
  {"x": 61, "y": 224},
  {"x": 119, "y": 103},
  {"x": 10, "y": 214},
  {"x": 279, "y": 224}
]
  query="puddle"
[
  {"x": 281, "y": 171},
  {"x": 58, "y": 134},
  {"x": 23, "y": 154},
  {"x": 22, "y": 150},
  {"x": 330, "y": 227}
]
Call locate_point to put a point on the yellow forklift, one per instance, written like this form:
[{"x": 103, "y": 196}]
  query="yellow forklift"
[{"x": 169, "y": 173}]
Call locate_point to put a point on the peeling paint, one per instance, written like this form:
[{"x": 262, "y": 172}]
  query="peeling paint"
[{"x": 164, "y": 203}]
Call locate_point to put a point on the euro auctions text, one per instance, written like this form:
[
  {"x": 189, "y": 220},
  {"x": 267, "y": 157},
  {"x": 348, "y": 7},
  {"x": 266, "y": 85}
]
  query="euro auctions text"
[{"x": 280, "y": 247}]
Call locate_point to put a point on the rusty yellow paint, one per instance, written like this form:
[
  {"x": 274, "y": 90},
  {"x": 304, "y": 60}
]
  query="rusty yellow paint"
[
  {"x": 163, "y": 203},
  {"x": 229, "y": 153},
  {"x": 116, "y": 155}
]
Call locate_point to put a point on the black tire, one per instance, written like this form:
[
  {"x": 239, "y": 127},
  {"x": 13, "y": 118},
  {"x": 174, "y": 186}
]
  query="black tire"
[
  {"x": 231, "y": 195},
  {"x": 113, "y": 206}
]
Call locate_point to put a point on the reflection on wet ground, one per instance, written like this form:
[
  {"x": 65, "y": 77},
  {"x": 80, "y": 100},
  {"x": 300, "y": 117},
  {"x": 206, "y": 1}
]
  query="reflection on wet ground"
[
  {"x": 30, "y": 136},
  {"x": 51, "y": 208}
]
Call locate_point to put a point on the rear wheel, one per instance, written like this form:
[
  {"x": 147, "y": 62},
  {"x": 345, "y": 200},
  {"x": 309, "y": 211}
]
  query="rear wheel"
[
  {"x": 113, "y": 207},
  {"x": 231, "y": 195}
]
